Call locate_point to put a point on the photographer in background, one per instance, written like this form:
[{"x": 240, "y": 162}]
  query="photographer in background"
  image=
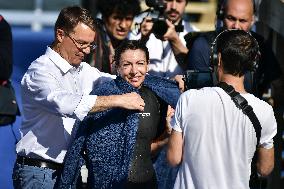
[
  {"x": 167, "y": 52},
  {"x": 214, "y": 137}
]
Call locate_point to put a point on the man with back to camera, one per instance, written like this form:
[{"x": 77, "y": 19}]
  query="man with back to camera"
[
  {"x": 113, "y": 28},
  {"x": 167, "y": 52},
  {"x": 55, "y": 92},
  {"x": 212, "y": 139},
  {"x": 237, "y": 14}
]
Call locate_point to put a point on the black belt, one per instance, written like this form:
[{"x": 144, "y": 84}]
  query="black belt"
[{"x": 39, "y": 163}]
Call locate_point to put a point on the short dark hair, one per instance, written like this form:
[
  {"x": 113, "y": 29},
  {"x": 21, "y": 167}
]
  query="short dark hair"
[
  {"x": 130, "y": 45},
  {"x": 70, "y": 17},
  {"x": 239, "y": 51},
  {"x": 121, "y": 7}
]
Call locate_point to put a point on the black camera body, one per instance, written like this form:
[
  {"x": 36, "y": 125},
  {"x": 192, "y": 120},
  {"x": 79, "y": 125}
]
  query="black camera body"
[
  {"x": 195, "y": 79},
  {"x": 160, "y": 26}
]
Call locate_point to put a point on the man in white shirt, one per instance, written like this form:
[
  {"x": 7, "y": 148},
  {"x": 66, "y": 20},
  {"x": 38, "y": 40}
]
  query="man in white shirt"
[
  {"x": 167, "y": 52},
  {"x": 212, "y": 139},
  {"x": 55, "y": 93}
]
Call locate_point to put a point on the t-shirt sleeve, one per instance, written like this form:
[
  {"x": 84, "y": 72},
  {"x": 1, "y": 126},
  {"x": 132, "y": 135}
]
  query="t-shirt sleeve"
[
  {"x": 177, "y": 123},
  {"x": 268, "y": 131}
]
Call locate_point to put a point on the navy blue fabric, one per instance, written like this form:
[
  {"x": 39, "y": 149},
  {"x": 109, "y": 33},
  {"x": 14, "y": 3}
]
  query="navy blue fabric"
[
  {"x": 199, "y": 55},
  {"x": 108, "y": 137},
  {"x": 199, "y": 59},
  {"x": 268, "y": 67}
]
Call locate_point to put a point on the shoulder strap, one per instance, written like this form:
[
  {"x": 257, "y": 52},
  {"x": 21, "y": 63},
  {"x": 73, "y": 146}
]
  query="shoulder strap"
[{"x": 242, "y": 103}]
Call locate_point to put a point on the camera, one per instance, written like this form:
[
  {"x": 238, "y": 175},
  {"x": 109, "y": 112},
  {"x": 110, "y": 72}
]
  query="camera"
[
  {"x": 160, "y": 26},
  {"x": 195, "y": 79}
]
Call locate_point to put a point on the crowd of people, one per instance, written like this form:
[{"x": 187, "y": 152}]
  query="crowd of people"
[{"x": 104, "y": 97}]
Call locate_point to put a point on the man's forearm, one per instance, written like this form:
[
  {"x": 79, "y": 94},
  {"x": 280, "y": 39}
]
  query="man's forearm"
[
  {"x": 175, "y": 148},
  {"x": 180, "y": 51},
  {"x": 265, "y": 161},
  {"x": 131, "y": 101},
  {"x": 104, "y": 103}
]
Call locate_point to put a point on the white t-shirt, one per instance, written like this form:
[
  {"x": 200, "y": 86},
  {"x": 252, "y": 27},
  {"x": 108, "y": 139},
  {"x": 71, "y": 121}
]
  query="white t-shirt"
[{"x": 219, "y": 140}]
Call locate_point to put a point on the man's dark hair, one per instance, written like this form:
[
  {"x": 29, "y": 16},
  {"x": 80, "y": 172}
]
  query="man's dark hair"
[
  {"x": 239, "y": 51},
  {"x": 122, "y": 7},
  {"x": 130, "y": 45},
  {"x": 70, "y": 17}
]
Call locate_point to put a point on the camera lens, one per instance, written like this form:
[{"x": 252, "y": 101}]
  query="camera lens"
[{"x": 159, "y": 29}]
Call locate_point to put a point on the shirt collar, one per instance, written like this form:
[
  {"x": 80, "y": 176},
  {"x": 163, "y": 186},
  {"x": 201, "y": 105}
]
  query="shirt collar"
[{"x": 60, "y": 62}]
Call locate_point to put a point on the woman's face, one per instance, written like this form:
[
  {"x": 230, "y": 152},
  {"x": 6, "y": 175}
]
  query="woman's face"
[{"x": 133, "y": 67}]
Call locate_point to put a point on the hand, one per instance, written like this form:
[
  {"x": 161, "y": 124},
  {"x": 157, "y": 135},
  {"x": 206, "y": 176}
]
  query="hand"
[
  {"x": 146, "y": 27},
  {"x": 180, "y": 81},
  {"x": 132, "y": 101},
  {"x": 171, "y": 34},
  {"x": 170, "y": 114}
]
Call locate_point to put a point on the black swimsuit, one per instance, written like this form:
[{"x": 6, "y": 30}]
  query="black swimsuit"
[{"x": 141, "y": 173}]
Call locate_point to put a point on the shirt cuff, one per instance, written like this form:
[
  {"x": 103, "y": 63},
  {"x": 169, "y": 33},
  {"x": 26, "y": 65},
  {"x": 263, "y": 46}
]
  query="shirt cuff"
[
  {"x": 86, "y": 104},
  {"x": 177, "y": 128},
  {"x": 267, "y": 145}
]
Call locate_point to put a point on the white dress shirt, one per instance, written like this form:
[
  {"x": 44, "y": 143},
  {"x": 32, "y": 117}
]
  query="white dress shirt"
[{"x": 54, "y": 95}]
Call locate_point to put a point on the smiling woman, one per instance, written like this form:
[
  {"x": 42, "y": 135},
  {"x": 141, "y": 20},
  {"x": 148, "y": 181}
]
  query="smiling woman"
[
  {"x": 119, "y": 142},
  {"x": 132, "y": 63}
]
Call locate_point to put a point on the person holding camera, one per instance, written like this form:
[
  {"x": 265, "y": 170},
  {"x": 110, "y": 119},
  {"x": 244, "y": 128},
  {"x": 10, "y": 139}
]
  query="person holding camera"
[
  {"x": 218, "y": 129},
  {"x": 167, "y": 50}
]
